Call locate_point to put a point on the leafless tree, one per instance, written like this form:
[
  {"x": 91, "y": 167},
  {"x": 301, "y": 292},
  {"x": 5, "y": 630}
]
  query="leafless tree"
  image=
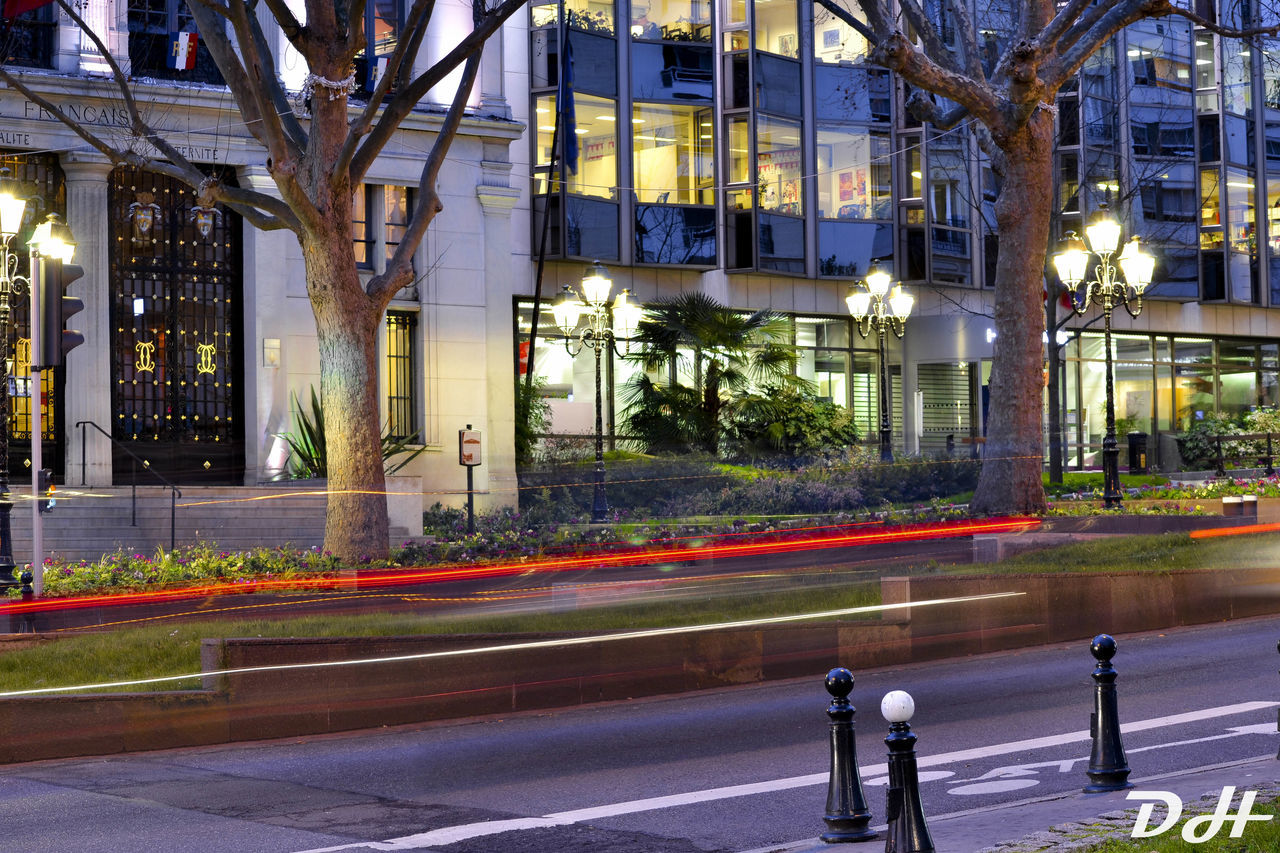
[
  {"x": 1007, "y": 85},
  {"x": 317, "y": 161}
]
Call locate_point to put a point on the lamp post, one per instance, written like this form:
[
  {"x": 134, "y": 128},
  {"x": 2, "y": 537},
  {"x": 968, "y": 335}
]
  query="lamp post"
[
  {"x": 590, "y": 303},
  {"x": 881, "y": 308},
  {"x": 13, "y": 203},
  {"x": 1103, "y": 234}
]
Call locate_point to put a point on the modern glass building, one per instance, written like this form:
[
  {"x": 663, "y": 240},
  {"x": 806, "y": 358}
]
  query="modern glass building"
[{"x": 746, "y": 149}]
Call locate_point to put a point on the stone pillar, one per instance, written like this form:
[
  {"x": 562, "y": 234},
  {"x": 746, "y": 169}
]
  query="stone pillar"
[
  {"x": 493, "y": 100},
  {"x": 497, "y": 199},
  {"x": 265, "y": 272},
  {"x": 88, "y": 367}
]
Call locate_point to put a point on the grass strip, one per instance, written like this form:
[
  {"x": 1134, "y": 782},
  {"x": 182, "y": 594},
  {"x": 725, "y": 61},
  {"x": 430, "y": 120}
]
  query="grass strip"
[{"x": 172, "y": 647}]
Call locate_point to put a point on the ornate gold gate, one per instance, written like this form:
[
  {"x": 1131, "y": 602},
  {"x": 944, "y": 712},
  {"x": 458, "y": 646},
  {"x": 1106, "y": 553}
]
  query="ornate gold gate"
[{"x": 176, "y": 317}]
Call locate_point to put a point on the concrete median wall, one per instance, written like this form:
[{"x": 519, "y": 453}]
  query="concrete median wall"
[{"x": 385, "y": 691}]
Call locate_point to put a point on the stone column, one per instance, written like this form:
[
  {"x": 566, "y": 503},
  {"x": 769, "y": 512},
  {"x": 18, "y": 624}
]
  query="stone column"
[
  {"x": 88, "y": 367},
  {"x": 266, "y": 272},
  {"x": 493, "y": 100},
  {"x": 497, "y": 199}
]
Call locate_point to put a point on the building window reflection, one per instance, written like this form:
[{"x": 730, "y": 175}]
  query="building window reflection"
[{"x": 674, "y": 154}]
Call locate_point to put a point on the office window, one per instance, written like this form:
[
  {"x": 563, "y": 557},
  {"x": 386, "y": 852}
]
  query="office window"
[
  {"x": 597, "y": 134},
  {"x": 401, "y": 367},
  {"x": 854, "y": 169},
  {"x": 778, "y": 165},
  {"x": 671, "y": 20},
  {"x": 674, "y": 157}
]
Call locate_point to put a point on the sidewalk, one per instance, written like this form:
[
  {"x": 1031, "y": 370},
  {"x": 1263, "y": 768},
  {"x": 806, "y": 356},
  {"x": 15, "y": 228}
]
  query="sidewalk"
[{"x": 1072, "y": 821}]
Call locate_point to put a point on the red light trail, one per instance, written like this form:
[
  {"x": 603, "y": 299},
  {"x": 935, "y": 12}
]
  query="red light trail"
[{"x": 635, "y": 556}]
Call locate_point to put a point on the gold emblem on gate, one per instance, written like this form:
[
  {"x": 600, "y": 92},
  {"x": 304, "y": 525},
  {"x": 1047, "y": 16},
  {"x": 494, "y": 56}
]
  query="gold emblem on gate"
[
  {"x": 207, "y": 352},
  {"x": 22, "y": 355},
  {"x": 146, "y": 352}
]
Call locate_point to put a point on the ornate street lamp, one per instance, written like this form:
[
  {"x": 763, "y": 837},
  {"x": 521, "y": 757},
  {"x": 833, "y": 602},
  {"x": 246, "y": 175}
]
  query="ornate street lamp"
[
  {"x": 590, "y": 303},
  {"x": 882, "y": 307},
  {"x": 1106, "y": 287}
]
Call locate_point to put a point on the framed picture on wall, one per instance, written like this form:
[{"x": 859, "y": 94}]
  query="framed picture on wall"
[
  {"x": 830, "y": 39},
  {"x": 787, "y": 45}
]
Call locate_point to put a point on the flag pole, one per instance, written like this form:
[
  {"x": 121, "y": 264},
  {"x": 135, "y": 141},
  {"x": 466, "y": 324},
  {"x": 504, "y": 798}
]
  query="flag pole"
[{"x": 562, "y": 31}]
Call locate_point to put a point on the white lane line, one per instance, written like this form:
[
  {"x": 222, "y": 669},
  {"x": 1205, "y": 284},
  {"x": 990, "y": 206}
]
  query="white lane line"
[{"x": 451, "y": 834}]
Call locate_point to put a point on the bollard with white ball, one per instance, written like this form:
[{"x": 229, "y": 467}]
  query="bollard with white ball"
[{"x": 907, "y": 832}]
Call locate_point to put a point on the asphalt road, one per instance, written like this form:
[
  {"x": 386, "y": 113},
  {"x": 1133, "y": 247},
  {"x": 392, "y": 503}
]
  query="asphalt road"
[{"x": 729, "y": 770}]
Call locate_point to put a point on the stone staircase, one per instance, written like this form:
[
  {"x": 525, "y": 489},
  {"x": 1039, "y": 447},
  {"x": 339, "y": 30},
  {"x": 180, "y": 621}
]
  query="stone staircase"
[{"x": 87, "y": 522}]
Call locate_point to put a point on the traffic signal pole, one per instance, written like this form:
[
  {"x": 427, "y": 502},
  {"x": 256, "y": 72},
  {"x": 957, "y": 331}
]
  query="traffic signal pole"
[{"x": 37, "y": 428}]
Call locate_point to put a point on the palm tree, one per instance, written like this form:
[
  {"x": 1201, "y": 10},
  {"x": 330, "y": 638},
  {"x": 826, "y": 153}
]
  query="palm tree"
[{"x": 722, "y": 353}]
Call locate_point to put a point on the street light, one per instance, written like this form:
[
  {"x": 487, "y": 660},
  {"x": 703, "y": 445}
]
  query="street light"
[
  {"x": 590, "y": 302},
  {"x": 884, "y": 309},
  {"x": 1072, "y": 263},
  {"x": 50, "y": 239}
]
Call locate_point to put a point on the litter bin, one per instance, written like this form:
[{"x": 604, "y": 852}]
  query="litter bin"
[{"x": 1138, "y": 453}]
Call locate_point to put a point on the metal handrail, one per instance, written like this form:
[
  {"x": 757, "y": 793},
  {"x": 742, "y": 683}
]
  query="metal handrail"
[{"x": 174, "y": 491}]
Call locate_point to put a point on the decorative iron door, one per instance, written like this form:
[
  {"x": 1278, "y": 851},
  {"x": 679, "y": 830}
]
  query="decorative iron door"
[
  {"x": 176, "y": 316},
  {"x": 41, "y": 176}
]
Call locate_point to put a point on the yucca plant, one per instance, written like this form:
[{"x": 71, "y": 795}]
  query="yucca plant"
[{"x": 307, "y": 454}]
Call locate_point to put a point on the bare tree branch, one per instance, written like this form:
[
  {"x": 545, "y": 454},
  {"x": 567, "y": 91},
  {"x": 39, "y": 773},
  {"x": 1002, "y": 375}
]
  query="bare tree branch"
[
  {"x": 262, "y": 78},
  {"x": 294, "y": 30},
  {"x": 408, "y": 97},
  {"x": 1066, "y": 17},
  {"x": 406, "y": 48},
  {"x": 898, "y": 54},
  {"x": 278, "y": 97},
  {"x": 969, "y": 40},
  {"x": 399, "y": 270},
  {"x": 931, "y": 42}
]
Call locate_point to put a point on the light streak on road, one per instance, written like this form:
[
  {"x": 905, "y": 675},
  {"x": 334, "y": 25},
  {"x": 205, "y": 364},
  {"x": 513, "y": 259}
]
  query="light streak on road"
[{"x": 562, "y": 642}]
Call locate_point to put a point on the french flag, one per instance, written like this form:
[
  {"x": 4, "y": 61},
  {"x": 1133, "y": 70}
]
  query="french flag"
[{"x": 182, "y": 50}]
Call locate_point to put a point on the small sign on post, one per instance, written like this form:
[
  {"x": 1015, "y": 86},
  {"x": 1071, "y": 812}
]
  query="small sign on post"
[
  {"x": 469, "y": 446},
  {"x": 469, "y": 456}
]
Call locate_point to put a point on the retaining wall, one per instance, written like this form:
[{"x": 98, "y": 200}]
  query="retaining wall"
[{"x": 279, "y": 703}]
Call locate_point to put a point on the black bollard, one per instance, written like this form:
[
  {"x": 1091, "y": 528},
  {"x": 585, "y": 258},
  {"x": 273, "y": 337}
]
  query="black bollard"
[
  {"x": 1108, "y": 769},
  {"x": 908, "y": 832},
  {"x": 848, "y": 819}
]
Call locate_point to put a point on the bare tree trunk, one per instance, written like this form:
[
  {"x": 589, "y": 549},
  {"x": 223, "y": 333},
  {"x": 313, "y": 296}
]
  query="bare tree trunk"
[
  {"x": 1011, "y": 480},
  {"x": 356, "y": 526}
]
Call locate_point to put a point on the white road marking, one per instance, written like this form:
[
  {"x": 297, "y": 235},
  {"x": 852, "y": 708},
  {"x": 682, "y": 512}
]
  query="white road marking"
[{"x": 452, "y": 834}]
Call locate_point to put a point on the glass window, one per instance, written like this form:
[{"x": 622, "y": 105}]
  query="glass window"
[
  {"x": 913, "y": 178},
  {"x": 738, "y": 167},
  {"x": 776, "y": 30},
  {"x": 854, "y": 169},
  {"x": 778, "y": 85},
  {"x": 362, "y": 233},
  {"x": 1237, "y": 77},
  {"x": 674, "y": 157},
  {"x": 666, "y": 234},
  {"x": 781, "y": 244},
  {"x": 671, "y": 72},
  {"x": 779, "y": 169},
  {"x": 1241, "y": 216},
  {"x": 597, "y": 134},
  {"x": 398, "y": 204},
  {"x": 835, "y": 41},
  {"x": 671, "y": 20},
  {"x": 595, "y": 64},
  {"x": 847, "y": 249},
  {"x": 402, "y": 407},
  {"x": 852, "y": 93},
  {"x": 591, "y": 228},
  {"x": 1210, "y": 210},
  {"x": 590, "y": 16}
]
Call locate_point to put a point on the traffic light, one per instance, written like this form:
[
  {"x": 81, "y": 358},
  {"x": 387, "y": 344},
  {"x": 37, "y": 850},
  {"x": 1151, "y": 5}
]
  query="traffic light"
[
  {"x": 46, "y": 489},
  {"x": 53, "y": 307}
]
